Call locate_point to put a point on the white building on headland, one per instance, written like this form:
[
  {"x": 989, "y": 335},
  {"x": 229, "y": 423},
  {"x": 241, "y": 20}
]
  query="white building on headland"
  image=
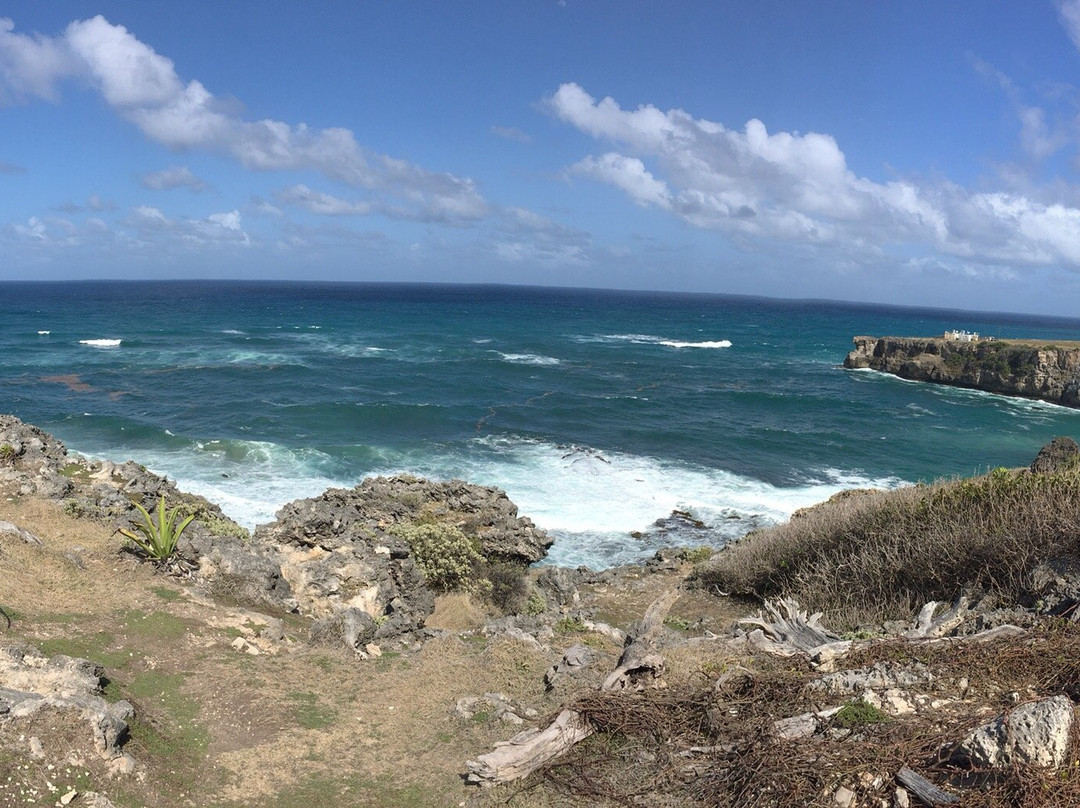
[{"x": 962, "y": 336}]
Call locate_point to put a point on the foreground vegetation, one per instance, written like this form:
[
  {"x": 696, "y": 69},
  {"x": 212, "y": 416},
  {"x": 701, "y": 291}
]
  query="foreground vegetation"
[{"x": 869, "y": 556}]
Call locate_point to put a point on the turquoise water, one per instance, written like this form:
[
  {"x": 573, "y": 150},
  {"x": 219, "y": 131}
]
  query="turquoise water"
[{"x": 598, "y": 412}]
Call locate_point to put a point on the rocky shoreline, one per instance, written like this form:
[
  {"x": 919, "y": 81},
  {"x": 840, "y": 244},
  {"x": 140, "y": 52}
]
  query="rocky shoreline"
[
  {"x": 328, "y": 658},
  {"x": 1036, "y": 370}
]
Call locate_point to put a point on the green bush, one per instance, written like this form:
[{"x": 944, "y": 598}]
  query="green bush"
[
  {"x": 858, "y": 713},
  {"x": 7, "y": 454},
  {"x": 448, "y": 558},
  {"x": 881, "y": 555}
]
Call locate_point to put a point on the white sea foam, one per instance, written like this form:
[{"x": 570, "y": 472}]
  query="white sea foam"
[
  {"x": 44, "y": 333},
  {"x": 233, "y": 331},
  {"x": 723, "y": 343},
  {"x": 529, "y": 359},
  {"x": 649, "y": 339},
  {"x": 101, "y": 343},
  {"x": 589, "y": 501}
]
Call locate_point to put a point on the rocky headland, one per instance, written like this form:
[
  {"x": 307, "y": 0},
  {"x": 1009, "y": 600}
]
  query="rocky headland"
[
  {"x": 395, "y": 644},
  {"x": 1031, "y": 369}
]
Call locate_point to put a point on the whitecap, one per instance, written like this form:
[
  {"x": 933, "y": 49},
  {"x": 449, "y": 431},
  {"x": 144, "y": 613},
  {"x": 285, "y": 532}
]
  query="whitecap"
[
  {"x": 529, "y": 359},
  {"x": 723, "y": 343},
  {"x": 44, "y": 333},
  {"x": 101, "y": 343},
  {"x": 650, "y": 339}
]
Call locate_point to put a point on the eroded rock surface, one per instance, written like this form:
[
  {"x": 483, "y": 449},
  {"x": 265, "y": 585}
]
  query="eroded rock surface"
[
  {"x": 30, "y": 681},
  {"x": 1017, "y": 368},
  {"x": 1035, "y": 734}
]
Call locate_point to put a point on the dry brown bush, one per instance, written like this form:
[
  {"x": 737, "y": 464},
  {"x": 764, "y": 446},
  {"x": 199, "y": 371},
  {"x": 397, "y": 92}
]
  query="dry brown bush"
[{"x": 883, "y": 554}]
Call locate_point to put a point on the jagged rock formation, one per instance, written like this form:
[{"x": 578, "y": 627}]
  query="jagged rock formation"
[
  {"x": 339, "y": 551},
  {"x": 1010, "y": 367},
  {"x": 35, "y": 463}
]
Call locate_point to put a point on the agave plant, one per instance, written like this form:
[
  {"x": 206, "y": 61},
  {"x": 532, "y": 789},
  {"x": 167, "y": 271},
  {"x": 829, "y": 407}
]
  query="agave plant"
[{"x": 158, "y": 540}]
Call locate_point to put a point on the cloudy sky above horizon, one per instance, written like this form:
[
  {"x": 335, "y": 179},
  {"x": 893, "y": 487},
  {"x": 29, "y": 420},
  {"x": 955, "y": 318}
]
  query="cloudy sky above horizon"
[{"x": 919, "y": 153}]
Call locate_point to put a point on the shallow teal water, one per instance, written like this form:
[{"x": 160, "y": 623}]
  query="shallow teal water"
[{"x": 598, "y": 412}]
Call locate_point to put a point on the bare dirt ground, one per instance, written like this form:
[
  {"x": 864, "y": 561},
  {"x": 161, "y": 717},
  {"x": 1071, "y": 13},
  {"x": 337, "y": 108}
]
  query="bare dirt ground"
[{"x": 293, "y": 724}]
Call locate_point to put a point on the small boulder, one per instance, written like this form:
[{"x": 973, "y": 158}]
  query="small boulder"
[{"x": 1033, "y": 734}]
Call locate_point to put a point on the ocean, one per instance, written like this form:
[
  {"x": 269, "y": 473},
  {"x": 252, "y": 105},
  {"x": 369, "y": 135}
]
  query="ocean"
[{"x": 600, "y": 413}]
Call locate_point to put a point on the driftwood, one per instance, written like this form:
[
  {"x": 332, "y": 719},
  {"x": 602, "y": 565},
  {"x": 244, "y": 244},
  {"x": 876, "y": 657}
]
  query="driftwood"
[
  {"x": 922, "y": 788},
  {"x": 927, "y": 626},
  {"x": 788, "y": 631},
  {"x": 639, "y": 667}
]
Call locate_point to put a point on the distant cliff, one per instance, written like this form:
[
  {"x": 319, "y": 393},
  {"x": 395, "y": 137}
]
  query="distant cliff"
[{"x": 1011, "y": 367}]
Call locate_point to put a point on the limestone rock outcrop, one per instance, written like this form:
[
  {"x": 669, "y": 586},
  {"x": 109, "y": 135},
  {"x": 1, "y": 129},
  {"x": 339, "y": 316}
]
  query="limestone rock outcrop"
[
  {"x": 30, "y": 681},
  {"x": 338, "y": 552},
  {"x": 1010, "y": 367}
]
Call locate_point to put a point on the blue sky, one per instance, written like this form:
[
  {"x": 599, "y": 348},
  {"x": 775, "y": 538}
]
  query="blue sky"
[{"x": 919, "y": 153}]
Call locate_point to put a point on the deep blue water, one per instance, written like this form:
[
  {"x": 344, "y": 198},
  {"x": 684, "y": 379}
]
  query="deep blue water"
[{"x": 599, "y": 412}]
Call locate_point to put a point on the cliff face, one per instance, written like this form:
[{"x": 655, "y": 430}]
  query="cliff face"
[{"x": 1014, "y": 368}]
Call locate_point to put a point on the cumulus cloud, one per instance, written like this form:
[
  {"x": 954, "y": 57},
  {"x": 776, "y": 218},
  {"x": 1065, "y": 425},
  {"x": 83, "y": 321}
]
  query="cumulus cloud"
[
  {"x": 798, "y": 188},
  {"x": 143, "y": 87},
  {"x": 173, "y": 177},
  {"x": 150, "y": 225}
]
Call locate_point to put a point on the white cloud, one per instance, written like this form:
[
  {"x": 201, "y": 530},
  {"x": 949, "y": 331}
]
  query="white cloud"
[
  {"x": 627, "y": 173},
  {"x": 797, "y": 188},
  {"x": 321, "y": 203},
  {"x": 1070, "y": 18},
  {"x": 31, "y": 65},
  {"x": 34, "y": 228},
  {"x": 150, "y": 226},
  {"x": 172, "y": 177},
  {"x": 144, "y": 88}
]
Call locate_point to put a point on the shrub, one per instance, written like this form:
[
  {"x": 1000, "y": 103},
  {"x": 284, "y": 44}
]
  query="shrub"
[
  {"x": 882, "y": 554},
  {"x": 696, "y": 555},
  {"x": 448, "y": 558},
  {"x": 509, "y": 586},
  {"x": 157, "y": 540},
  {"x": 859, "y": 713},
  {"x": 7, "y": 454}
]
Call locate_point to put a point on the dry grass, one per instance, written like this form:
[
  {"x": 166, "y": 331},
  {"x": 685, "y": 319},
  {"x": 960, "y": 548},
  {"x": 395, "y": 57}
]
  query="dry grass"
[
  {"x": 880, "y": 555},
  {"x": 644, "y": 753}
]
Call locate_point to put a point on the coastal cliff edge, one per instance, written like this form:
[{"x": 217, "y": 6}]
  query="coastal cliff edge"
[{"x": 1026, "y": 368}]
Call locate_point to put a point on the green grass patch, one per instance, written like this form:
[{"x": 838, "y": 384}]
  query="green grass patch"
[
  {"x": 98, "y": 647},
  {"x": 166, "y": 594},
  {"x": 76, "y": 471},
  {"x": 570, "y": 625},
  {"x": 319, "y": 789},
  {"x": 166, "y": 722},
  {"x": 309, "y": 713},
  {"x": 155, "y": 624}
]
